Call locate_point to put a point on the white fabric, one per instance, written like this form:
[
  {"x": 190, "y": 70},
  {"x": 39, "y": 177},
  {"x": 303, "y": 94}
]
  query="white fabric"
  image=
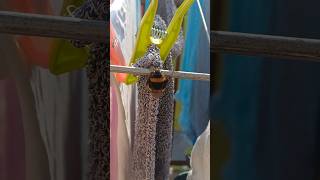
[
  {"x": 126, "y": 28},
  {"x": 122, "y": 141},
  {"x": 200, "y": 157}
]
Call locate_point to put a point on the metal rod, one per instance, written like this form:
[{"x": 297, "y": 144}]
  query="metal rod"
[
  {"x": 265, "y": 45},
  {"x": 221, "y": 42},
  {"x": 175, "y": 74},
  {"x": 53, "y": 26}
]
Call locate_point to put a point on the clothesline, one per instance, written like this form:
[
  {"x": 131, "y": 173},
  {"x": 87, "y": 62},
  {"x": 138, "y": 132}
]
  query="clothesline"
[
  {"x": 281, "y": 47},
  {"x": 53, "y": 26},
  {"x": 220, "y": 42},
  {"x": 175, "y": 74}
]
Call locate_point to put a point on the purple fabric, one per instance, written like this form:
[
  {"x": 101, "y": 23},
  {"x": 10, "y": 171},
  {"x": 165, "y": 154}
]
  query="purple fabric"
[{"x": 12, "y": 166}]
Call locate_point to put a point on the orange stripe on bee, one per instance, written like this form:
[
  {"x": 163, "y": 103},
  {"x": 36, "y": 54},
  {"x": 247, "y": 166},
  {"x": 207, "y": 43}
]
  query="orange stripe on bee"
[{"x": 159, "y": 80}]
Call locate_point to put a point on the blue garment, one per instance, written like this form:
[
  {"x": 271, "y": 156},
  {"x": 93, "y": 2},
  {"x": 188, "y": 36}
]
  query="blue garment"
[
  {"x": 147, "y": 4},
  {"x": 194, "y": 95}
]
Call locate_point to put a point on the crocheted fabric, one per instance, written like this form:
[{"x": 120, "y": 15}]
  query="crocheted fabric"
[
  {"x": 153, "y": 127},
  {"x": 98, "y": 79}
]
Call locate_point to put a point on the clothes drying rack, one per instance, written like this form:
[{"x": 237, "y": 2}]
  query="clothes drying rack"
[{"x": 290, "y": 48}]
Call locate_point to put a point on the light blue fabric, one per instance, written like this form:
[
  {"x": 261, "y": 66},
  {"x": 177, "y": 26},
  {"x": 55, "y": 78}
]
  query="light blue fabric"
[
  {"x": 147, "y": 4},
  {"x": 194, "y": 95}
]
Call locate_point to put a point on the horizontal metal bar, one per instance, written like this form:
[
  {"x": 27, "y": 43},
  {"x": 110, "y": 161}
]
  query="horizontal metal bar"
[
  {"x": 265, "y": 45},
  {"x": 221, "y": 42},
  {"x": 175, "y": 74},
  {"x": 53, "y": 26}
]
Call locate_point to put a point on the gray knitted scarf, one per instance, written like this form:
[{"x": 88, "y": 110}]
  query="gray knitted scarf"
[{"x": 151, "y": 153}]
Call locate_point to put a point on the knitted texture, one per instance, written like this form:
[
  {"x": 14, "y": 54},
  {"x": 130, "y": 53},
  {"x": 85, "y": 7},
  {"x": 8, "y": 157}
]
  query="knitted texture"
[
  {"x": 99, "y": 97},
  {"x": 151, "y": 154}
]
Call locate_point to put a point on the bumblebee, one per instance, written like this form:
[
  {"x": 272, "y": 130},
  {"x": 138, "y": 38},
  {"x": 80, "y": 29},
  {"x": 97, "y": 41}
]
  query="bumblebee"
[{"x": 157, "y": 83}]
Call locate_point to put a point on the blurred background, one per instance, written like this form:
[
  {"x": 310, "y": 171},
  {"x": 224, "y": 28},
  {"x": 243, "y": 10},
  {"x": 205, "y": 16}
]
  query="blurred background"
[
  {"x": 266, "y": 111},
  {"x": 43, "y": 117}
]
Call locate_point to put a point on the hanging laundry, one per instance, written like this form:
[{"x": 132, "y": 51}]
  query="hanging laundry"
[
  {"x": 194, "y": 50},
  {"x": 50, "y": 96},
  {"x": 200, "y": 157},
  {"x": 119, "y": 138},
  {"x": 152, "y": 138},
  {"x": 153, "y": 128},
  {"x": 193, "y": 96},
  {"x": 124, "y": 19},
  {"x": 151, "y": 154},
  {"x": 98, "y": 77}
]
